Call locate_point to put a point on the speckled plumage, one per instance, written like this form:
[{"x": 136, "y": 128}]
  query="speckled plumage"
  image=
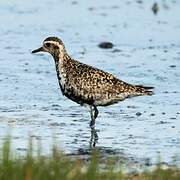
[{"x": 85, "y": 84}]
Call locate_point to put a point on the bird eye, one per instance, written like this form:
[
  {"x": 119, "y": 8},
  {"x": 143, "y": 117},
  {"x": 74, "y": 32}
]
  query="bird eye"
[{"x": 48, "y": 44}]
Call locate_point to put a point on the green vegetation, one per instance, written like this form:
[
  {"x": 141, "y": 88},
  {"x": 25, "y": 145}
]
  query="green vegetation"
[{"x": 58, "y": 166}]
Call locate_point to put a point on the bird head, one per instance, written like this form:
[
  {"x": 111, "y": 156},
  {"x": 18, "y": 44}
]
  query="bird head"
[{"x": 52, "y": 45}]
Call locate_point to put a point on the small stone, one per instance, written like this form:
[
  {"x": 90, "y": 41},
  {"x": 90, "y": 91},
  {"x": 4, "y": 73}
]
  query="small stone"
[
  {"x": 162, "y": 122},
  {"x": 138, "y": 114},
  {"x": 151, "y": 47},
  {"x": 106, "y": 45},
  {"x": 172, "y": 118},
  {"x": 133, "y": 107},
  {"x": 172, "y": 66},
  {"x": 155, "y": 8}
]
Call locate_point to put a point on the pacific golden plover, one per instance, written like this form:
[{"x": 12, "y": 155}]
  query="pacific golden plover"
[{"x": 87, "y": 85}]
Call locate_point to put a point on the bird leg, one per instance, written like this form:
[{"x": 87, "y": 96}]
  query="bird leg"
[
  {"x": 94, "y": 135},
  {"x": 93, "y": 139},
  {"x": 94, "y": 113}
]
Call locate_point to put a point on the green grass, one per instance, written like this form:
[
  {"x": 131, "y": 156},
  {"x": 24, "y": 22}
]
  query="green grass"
[{"x": 58, "y": 166}]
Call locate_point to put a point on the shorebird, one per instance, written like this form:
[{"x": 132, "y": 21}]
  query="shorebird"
[{"x": 85, "y": 84}]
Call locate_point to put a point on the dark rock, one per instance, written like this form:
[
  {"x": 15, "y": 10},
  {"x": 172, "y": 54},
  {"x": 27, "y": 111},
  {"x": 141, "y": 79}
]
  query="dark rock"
[
  {"x": 106, "y": 45},
  {"x": 172, "y": 66},
  {"x": 151, "y": 47},
  {"x": 173, "y": 118},
  {"x": 162, "y": 122},
  {"x": 155, "y": 8},
  {"x": 133, "y": 107},
  {"x": 138, "y": 114}
]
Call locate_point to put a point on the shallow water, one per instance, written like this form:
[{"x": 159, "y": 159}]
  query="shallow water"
[{"x": 146, "y": 52}]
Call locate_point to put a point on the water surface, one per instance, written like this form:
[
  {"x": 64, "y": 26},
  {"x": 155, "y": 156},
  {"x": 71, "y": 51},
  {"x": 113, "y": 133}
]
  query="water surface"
[{"x": 147, "y": 51}]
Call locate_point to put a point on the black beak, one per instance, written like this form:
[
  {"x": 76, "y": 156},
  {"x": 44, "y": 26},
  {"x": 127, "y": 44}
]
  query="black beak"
[{"x": 38, "y": 50}]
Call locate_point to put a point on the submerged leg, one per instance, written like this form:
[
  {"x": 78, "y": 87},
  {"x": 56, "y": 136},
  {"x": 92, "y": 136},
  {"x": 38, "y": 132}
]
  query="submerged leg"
[
  {"x": 94, "y": 138},
  {"x": 94, "y": 135}
]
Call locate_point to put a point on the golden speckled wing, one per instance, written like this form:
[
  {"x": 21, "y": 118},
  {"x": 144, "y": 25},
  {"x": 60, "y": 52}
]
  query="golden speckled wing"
[{"x": 88, "y": 82}]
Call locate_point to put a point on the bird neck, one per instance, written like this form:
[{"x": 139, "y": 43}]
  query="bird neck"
[
  {"x": 61, "y": 60},
  {"x": 60, "y": 63},
  {"x": 59, "y": 57}
]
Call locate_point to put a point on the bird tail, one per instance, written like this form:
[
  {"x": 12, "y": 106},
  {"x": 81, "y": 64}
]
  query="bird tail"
[{"x": 144, "y": 90}]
